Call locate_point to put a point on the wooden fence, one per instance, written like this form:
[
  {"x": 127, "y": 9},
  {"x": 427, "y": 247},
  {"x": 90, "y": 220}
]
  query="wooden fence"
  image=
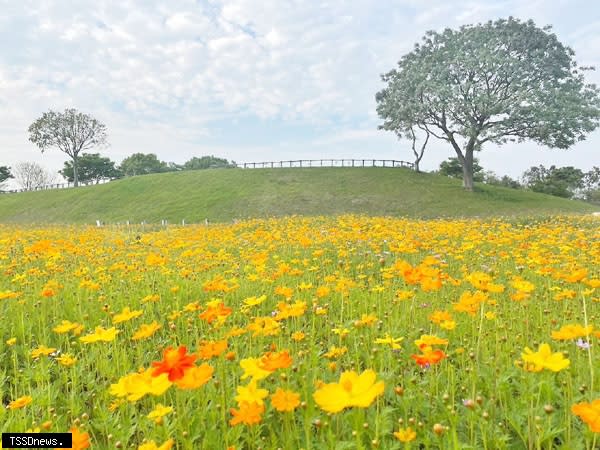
[{"x": 327, "y": 163}]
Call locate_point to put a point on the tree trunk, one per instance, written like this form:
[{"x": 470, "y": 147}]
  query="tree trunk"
[
  {"x": 75, "y": 175},
  {"x": 467, "y": 166},
  {"x": 417, "y": 165}
]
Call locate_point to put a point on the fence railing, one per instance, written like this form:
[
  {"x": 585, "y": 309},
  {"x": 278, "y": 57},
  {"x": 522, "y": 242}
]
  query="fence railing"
[
  {"x": 327, "y": 163},
  {"x": 66, "y": 185}
]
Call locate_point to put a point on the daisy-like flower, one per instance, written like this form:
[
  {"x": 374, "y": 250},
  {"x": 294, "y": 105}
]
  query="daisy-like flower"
[
  {"x": 174, "y": 363},
  {"x": 21, "y": 402},
  {"x": 544, "y": 359},
  {"x": 285, "y": 401},
  {"x": 353, "y": 389}
]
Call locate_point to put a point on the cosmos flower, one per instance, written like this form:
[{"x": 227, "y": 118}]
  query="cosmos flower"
[
  {"x": 589, "y": 413},
  {"x": 247, "y": 414},
  {"x": 285, "y": 401},
  {"x": 174, "y": 363},
  {"x": 145, "y": 331},
  {"x": 544, "y": 359},
  {"x": 405, "y": 434},
  {"x": 195, "y": 377},
  {"x": 352, "y": 390},
  {"x": 21, "y": 402},
  {"x": 100, "y": 334}
]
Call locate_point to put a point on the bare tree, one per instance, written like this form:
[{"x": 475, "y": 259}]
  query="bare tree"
[
  {"x": 30, "y": 175},
  {"x": 418, "y": 153}
]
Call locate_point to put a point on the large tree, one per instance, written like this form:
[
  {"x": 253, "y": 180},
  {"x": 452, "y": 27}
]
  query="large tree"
[
  {"x": 498, "y": 82},
  {"x": 91, "y": 167},
  {"x": 71, "y": 132}
]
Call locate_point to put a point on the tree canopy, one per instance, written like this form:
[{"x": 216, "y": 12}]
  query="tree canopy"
[
  {"x": 91, "y": 167},
  {"x": 498, "y": 82},
  {"x": 207, "y": 162},
  {"x": 558, "y": 181},
  {"x": 143, "y": 163},
  {"x": 452, "y": 168},
  {"x": 71, "y": 132},
  {"x": 5, "y": 173}
]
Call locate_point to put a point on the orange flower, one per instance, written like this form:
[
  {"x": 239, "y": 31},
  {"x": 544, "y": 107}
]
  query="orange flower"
[
  {"x": 79, "y": 440},
  {"x": 285, "y": 401},
  {"x": 589, "y": 413},
  {"x": 214, "y": 312},
  {"x": 211, "y": 349},
  {"x": 195, "y": 377},
  {"x": 248, "y": 414},
  {"x": 429, "y": 357},
  {"x": 272, "y": 361},
  {"x": 174, "y": 363},
  {"x": 20, "y": 402}
]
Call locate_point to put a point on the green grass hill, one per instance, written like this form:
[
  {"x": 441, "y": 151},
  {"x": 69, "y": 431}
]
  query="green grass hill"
[{"x": 225, "y": 194}]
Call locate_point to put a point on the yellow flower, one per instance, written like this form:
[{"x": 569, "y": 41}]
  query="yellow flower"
[
  {"x": 448, "y": 325},
  {"x": 252, "y": 368},
  {"x": 66, "y": 326},
  {"x": 298, "y": 336},
  {"x": 100, "y": 334},
  {"x": 151, "y": 445},
  {"x": 405, "y": 434},
  {"x": 66, "y": 360},
  {"x": 568, "y": 332},
  {"x": 392, "y": 342},
  {"x": 126, "y": 315},
  {"x": 365, "y": 320},
  {"x": 42, "y": 350},
  {"x": 352, "y": 390},
  {"x": 136, "y": 385},
  {"x": 544, "y": 359},
  {"x": 523, "y": 285},
  {"x": 335, "y": 352},
  {"x": 253, "y": 301},
  {"x": 11, "y": 341},
  {"x": 159, "y": 412},
  {"x": 20, "y": 402},
  {"x": 427, "y": 341},
  {"x": 146, "y": 330},
  {"x": 251, "y": 394}
]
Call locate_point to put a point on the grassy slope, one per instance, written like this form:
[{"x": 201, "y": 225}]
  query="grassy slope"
[{"x": 222, "y": 195}]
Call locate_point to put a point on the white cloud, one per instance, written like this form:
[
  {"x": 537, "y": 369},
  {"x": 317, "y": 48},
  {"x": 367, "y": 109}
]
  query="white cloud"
[{"x": 162, "y": 74}]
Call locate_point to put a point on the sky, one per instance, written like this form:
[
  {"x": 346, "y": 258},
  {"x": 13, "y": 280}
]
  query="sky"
[{"x": 248, "y": 80}]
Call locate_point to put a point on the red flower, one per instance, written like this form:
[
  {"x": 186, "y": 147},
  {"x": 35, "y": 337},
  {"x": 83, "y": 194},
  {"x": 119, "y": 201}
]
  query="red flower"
[{"x": 174, "y": 363}]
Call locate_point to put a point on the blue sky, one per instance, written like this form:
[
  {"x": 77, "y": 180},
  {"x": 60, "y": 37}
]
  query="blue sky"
[{"x": 247, "y": 80}]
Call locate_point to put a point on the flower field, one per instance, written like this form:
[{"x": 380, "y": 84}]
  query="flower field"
[{"x": 315, "y": 333}]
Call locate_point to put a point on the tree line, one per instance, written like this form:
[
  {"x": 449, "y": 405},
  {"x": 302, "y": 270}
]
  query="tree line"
[
  {"x": 93, "y": 168},
  {"x": 566, "y": 182}
]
